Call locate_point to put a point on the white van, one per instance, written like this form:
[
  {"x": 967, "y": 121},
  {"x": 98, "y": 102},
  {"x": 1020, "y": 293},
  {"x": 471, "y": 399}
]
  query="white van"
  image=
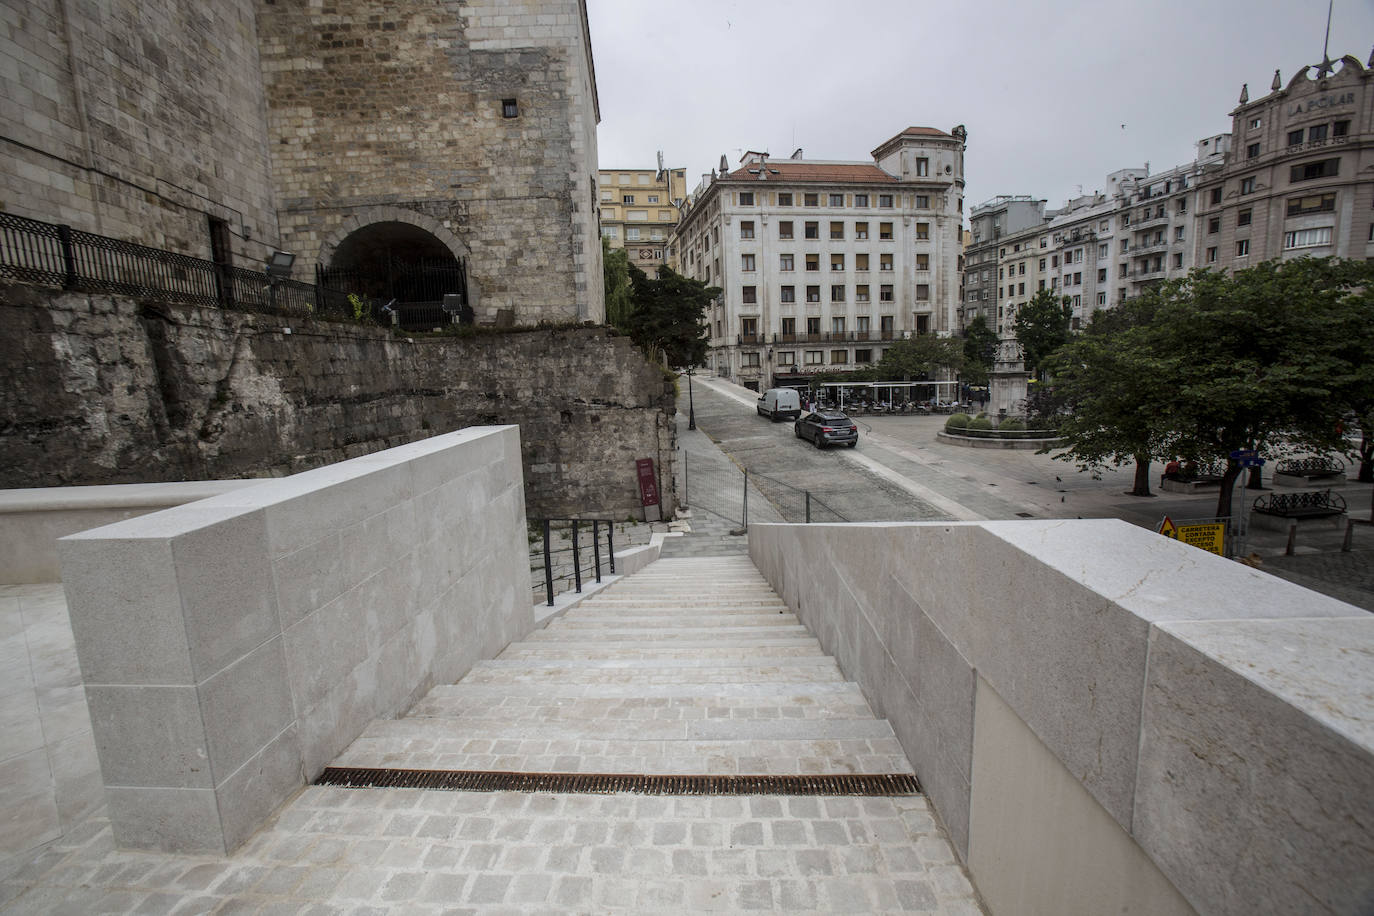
[{"x": 780, "y": 404}]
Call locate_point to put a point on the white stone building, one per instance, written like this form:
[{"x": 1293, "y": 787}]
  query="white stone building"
[{"x": 822, "y": 264}]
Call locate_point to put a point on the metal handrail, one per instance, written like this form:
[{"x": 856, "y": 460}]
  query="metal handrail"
[{"x": 547, "y": 525}]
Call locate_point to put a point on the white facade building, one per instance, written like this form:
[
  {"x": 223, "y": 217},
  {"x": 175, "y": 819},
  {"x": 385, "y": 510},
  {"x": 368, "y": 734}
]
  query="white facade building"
[{"x": 823, "y": 263}]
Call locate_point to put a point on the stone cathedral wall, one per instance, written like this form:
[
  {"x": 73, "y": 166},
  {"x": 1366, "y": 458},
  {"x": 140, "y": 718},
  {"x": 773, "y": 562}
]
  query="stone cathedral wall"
[{"x": 103, "y": 389}]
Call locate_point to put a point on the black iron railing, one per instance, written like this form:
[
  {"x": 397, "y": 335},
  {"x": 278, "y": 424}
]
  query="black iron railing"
[
  {"x": 577, "y": 528},
  {"x": 37, "y": 252},
  {"x": 33, "y": 251}
]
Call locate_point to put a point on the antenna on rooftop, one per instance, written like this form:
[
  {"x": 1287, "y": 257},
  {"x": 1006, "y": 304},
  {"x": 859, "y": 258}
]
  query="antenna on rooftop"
[
  {"x": 1326, "y": 66},
  {"x": 1326, "y": 44}
]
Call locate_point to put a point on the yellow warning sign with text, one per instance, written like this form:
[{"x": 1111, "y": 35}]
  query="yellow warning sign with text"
[{"x": 1210, "y": 537}]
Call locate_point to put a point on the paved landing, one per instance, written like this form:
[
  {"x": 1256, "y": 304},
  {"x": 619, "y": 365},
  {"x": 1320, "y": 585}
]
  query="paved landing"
[{"x": 690, "y": 666}]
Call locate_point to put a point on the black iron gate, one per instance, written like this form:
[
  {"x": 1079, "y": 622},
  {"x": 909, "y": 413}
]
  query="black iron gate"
[{"x": 418, "y": 292}]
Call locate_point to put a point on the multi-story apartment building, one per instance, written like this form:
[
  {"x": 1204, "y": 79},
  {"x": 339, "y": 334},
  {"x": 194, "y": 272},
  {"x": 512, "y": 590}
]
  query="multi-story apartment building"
[
  {"x": 1157, "y": 217},
  {"x": 639, "y": 208},
  {"x": 984, "y": 276},
  {"x": 1298, "y": 180},
  {"x": 1097, "y": 250},
  {"x": 822, "y": 263}
]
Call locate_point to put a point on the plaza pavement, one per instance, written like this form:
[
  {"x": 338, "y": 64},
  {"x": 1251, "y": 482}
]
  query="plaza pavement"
[{"x": 979, "y": 483}]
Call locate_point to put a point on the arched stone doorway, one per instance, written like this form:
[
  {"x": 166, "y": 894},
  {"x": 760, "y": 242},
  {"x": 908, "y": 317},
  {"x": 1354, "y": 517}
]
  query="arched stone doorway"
[{"x": 394, "y": 262}]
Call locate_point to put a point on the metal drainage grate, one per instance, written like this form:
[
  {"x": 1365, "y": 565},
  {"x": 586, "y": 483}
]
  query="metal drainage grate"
[{"x": 888, "y": 784}]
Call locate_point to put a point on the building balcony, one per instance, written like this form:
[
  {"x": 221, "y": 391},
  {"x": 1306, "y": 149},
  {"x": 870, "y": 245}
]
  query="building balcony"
[
  {"x": 1146, "y": 274},
  {"x": 828, "y": 337},
  {"x": 1149, "y": 249},
  {"x": 749, "y": 339},
  {"x": 1149, "y": 221}
]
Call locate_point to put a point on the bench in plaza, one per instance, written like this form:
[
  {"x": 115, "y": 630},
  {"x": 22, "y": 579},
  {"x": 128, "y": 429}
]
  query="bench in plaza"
[
  {"x": 1196, "y": 477},
  {"x": 1304, "y": 470},
  {"x": 1280, "y": 509}
]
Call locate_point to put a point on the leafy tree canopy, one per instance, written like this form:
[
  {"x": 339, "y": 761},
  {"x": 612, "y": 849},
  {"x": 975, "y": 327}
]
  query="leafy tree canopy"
[
  {"x": 1110, "y": 390},
  {"x": 919, "y": 357},
  {"x": 980, "y": 348},
  {"x": 668, "y": 315},
  {"x": 1042, "y": 326},
  {"x": 615, "y": 268},
  {"x": 1269, "y": 358}
]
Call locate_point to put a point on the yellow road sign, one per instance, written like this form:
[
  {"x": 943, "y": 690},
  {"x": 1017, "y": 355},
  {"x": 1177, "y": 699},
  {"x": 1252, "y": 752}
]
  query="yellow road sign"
[
  {"x": 1210, "y": 537},
  {"x": 1168, "y": 529}
]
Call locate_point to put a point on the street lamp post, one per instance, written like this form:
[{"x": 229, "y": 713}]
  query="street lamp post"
[{"x": 691, "y": 406}]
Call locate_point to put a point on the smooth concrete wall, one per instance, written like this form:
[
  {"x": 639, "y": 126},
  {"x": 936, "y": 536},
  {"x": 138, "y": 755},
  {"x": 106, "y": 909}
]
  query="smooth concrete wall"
[
  {"x": 1042, "y": 846},
  {"x": 1219, "y": 717},
  {"x": 31, "y": 520},
  {"x": 230, "y": 648}
]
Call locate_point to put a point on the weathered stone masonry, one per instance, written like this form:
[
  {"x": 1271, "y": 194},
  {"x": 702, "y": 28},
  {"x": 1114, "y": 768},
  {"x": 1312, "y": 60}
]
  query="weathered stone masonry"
[
  {"x": 265, "y": 124},
  {"x": 399, "y": 106},
  {"x": 103, "y": 389}
]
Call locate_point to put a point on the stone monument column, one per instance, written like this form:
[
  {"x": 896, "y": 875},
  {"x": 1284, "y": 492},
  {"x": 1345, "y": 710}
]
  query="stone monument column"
[{"x": 1007, "y": 381}]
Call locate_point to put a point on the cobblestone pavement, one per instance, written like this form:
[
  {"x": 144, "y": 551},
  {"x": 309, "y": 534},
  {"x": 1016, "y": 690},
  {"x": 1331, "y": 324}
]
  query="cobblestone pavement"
[{"x": 376, "y": 851}]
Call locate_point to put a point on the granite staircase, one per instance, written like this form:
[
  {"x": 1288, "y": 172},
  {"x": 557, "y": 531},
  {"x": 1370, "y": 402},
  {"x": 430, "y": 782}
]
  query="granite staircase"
[
  {"x": 691, "y": 672},
  {"x": 692, "y": 666}
]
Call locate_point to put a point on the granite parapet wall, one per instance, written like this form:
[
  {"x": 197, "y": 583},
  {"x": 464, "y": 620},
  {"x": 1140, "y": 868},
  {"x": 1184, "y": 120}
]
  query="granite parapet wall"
[
  {"x": 1106, "y": 721},
  {"x": 104, "y": 389}
]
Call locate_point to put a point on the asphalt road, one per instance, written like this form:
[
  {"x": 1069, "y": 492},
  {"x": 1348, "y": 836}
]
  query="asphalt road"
[
  {"x": 843, "y": 485},
  {"x": 901, "y": 471}
]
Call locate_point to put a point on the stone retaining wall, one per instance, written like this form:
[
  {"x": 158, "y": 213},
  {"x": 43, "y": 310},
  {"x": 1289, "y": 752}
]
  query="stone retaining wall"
[
  {"x": 103, "y": 389},
  {"x": 230, "y": 648},
  {"x": 1106, "y": 720}
]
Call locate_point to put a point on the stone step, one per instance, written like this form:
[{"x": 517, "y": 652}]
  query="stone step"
[
  {"x": 541, "y": 755},
  {"x": 695, "y": 602},
  {"x": 679, "y": 587},
  {"x": 723, "y": 605},
  {"x": 675, "y": 635},
  {"x": 472, "y": 703},
  {"x": 704, "y": 652},
  {"x": 651, "y": 665},
  {"x": 559, "y": 674},
  {"x": 746, "y": 731},
  {"x": 733, "y": 695},
  {"x": 582, "y": 621}
]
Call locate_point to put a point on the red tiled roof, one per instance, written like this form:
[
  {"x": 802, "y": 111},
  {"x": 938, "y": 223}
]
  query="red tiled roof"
[
  {"x": 921, "y": 132},
  {"x": 800, "y": 170}
]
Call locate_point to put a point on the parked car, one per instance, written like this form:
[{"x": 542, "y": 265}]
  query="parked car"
[
  {"x": 780, "y": 404},
  {"x": 827, "y": 427}
]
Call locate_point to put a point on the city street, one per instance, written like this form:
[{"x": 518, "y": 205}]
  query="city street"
[{"x": 900, "y": 471}]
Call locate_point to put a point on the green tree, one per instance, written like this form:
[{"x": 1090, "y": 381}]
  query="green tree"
[
  {"x": 980, "y": 347},
  {"x": 919, "y": 357},
  {"x": 1110, "y": 386},
  {"x": 1266, "y": 358},
  {"x": 1270, "y": 358},
  {"x": 668, "y": 315},
  {"x": 616, "y": 274},
  {"x": 1042, "y": 326}
]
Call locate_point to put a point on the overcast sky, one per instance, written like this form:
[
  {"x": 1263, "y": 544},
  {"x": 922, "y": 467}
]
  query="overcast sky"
[{"x": 1054, "y": 95}]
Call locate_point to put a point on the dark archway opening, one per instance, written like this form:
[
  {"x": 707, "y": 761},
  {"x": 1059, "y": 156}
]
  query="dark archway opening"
[{"x": 400, "y": 268}]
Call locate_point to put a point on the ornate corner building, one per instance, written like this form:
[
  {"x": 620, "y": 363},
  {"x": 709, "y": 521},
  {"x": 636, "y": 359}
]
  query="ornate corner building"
[
  {"x": 1293, "y": 178},
  {"x": 823, "y": 264},
  {"x": 374, "y": 141},
  {"x": 1300, "y": 177}
]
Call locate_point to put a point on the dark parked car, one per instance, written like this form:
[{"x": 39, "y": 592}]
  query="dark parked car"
[{"x": 827, "y": 427}]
